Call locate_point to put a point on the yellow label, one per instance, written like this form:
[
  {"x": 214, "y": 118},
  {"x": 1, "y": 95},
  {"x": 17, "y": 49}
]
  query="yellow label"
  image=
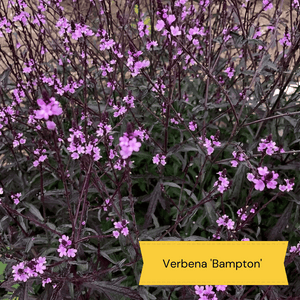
[{"x": 213, "y": 263}]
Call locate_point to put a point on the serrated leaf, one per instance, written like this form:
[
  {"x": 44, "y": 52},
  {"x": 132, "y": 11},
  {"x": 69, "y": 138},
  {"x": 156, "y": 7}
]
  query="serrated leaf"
[
  {"x": 195, "y": 238},
  {"x": 152, "y": 233},
  {"x": 29, "y": 245},
  {"x": 211, "y": 213},
  {"x": 276, "y": 231},
  {"x": 108, "y": 288},
  {"x": 238, "y": 180},
  {"x": 34, "y": 210},
  {"x": 291, "y": 120},
  {"x": 153, "y": 199},
  {"x": 4, "y": 78}
]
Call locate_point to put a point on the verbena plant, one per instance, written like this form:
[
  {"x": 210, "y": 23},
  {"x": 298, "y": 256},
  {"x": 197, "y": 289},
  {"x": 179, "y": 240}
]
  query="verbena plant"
[{"x": 145, "y": 120}]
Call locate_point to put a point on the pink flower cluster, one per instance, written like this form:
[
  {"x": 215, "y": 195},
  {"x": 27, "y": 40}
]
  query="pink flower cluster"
[
  {"x": 159, "y": 87},
  {"x": 134, "y": 64},
  {"x": 103, "y": 129},
  {"x": 78, "y": 145},
  {"x": 269, "y": 146},
  {"x": 159, "y": 159},
  {"x": 240, "y": 156},
  {"x": 119, "y": 110},
  {"x": 207, "y": 293},
  {"x": 151, "y": 44},
  {"x": 176, "y": 119},
  {"x": 296, "y": 4},
  {"x": 143, "y": 29},
  {"x": 64, "y": 247},
  {"x": 225, "y": 221},
  {"x": 209, "y": 143},
  {"x": 28, "y": 65},
  {"x": 230, "y": 72},
  {"x": 106, "y": 67},
  {"x": 41, "y": 157},
  {"x": 289, "y": 185},
  {"x": 286, "y": 40},
  {"x": 128, "y": 145},
  {"x": 19, "y": 140},
  {"x": 78, "y": 30},
  {"x": 121, "y": 228},
  {"x": 244, "y": 213},
  {"x": 193, "y": 126},
  {"x": 7, "y": 113},
  {"x": 106, "y": 204},
  {"x": 267, "y": 4},
  {"x": 16, "y": 198},
  {"x": 263, "y": 178},
  {"x": 222, "y": 182},
  {"x": 295, "y": 249},
  {"x": 129, "y": 99},
  {"x": 27, "y": 269}
]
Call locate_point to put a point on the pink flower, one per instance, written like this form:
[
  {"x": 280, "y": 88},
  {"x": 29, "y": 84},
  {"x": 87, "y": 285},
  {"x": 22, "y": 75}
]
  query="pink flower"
[
  {"x": 65, "y": 240},
  {"x": 267, "y": 4},
  {"x": 234, "y": 163},
  {"x": 171, "y": 19},
  {"x": 122, "y": 228},
  {"x": 216, "y": 236},
  {"x": 225, "y": 221},
  {"x": 159, "y": 159},
  {"x": 162, "y": 160},
  {"x": 262, "y": 171},
  {"x": 134, "y": 145},
  {"x": 116, "y": 234},
  {"x": 222, "y": 182},
  {"x": 205, "y": 294},
  {"x": 27, "y": 70},
  {"x": 259, "y": 184},
  {"x": 175, "y": 31},
  {"x": 286, "y": 40},
  {"x": 238, "y": 157},
  {"x": 47, "y": 110},
  {"x": 271, "y": 184},
  {"x": 257, "y": 34},
  {"x": 156, "y": 159},
  {"x": 44, "y": 112},
  {"x": 118, "y": 225},
  {"x": 71, "y": 252},
  {"x": 19, "y": 272},
  {"x": 125, "y": 231},
  {"x": 150, "y": 44},
  {"x": 193, "y": 126},
  {"x": 62, "y": 251},
  {"x": 48, "y": 280},
  {"x": 51, "y": 125},
  {"x": 199, "y": 290},
  {"x": 128, "y": 146},
  {"x": 289, "y": 185},
  {"x": 250, "y": 177},
  {"x": 295, "y": 249},
  {"x": 230, "y": 72},
  {"x": 160, "y": 25},
  {"x": 125, "y": 152},
  {"x": 221, "y": 287}
]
